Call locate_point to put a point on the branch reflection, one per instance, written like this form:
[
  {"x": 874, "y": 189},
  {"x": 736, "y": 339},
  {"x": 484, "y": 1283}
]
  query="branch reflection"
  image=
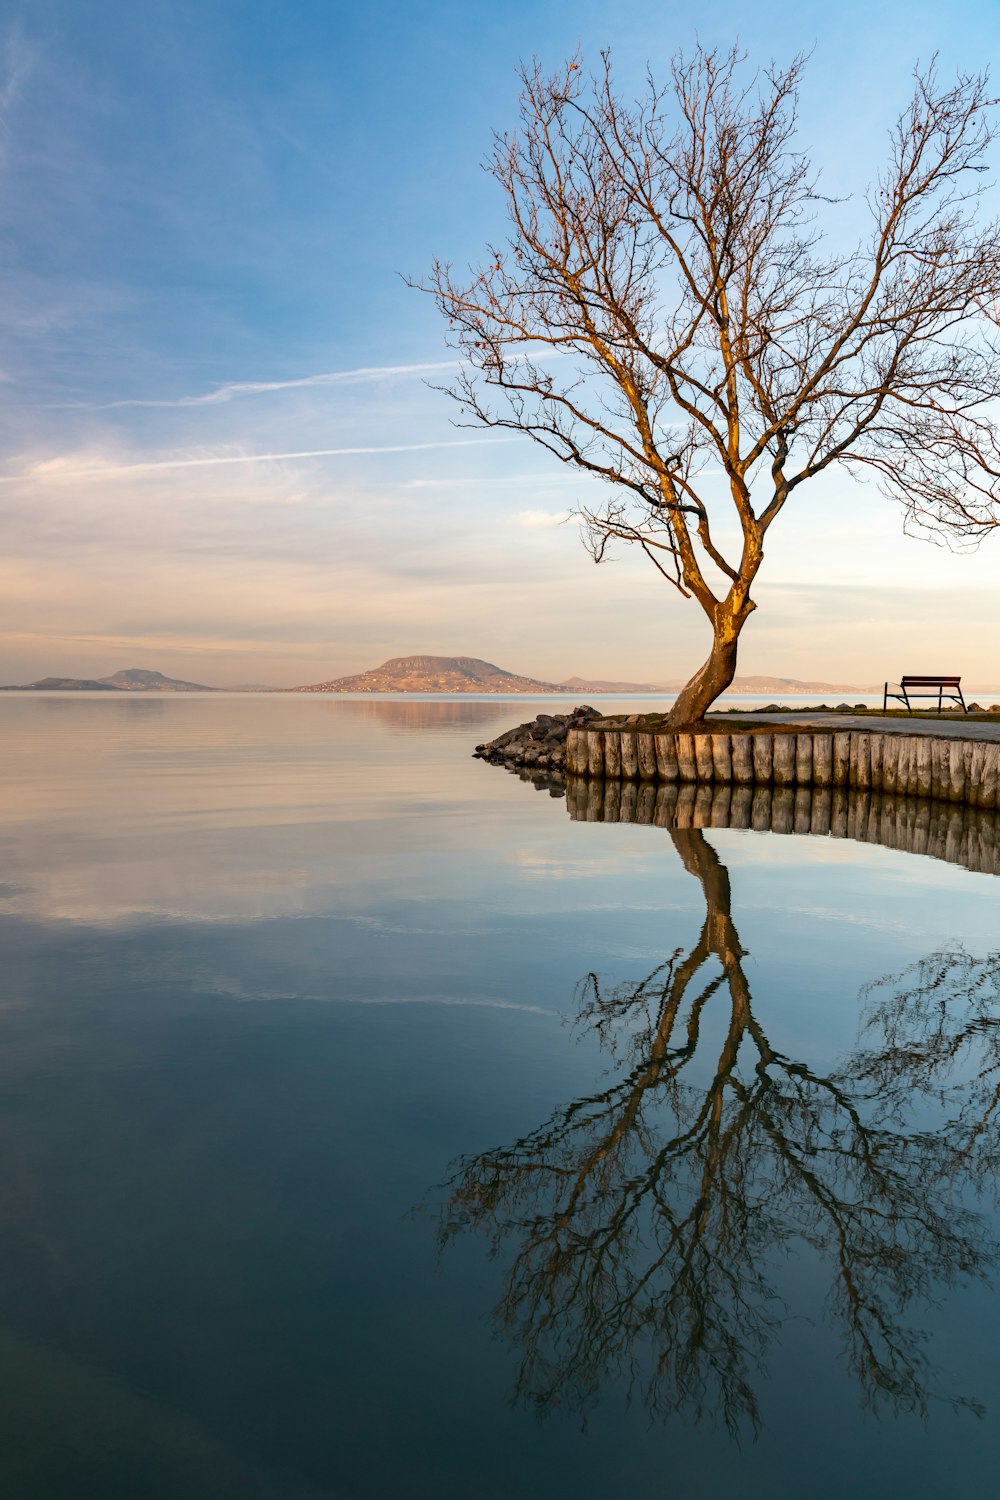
[{"x": 648, "y": 1222}]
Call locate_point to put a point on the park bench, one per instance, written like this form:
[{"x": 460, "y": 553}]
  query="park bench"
[{"x": 944, "y": 689}]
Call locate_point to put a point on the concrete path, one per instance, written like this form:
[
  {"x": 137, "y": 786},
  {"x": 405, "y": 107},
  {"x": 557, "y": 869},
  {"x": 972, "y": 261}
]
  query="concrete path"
[{"x": 951, "y": 729}]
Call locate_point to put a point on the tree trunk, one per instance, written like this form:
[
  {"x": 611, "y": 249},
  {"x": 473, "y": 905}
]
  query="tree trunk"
[{"x": 711, "y": 679}]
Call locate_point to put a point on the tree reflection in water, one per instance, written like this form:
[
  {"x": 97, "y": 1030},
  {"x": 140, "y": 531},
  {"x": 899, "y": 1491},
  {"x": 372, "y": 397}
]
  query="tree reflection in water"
[{"x": 647, "y": 1222}]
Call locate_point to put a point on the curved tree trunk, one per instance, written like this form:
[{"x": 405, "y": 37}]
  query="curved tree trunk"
[{"x": 712, "y": 678}]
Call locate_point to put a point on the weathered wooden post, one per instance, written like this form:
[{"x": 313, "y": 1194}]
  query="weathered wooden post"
[
  {"x": 722, "y": 758},
  {"x": 612, "y": 755},
  {"x": 576, "y": 752},
  {"x": 822, "y": 760},
  {"x": 685, "y": 758},
  {"x": 742, "y": 758},
  {"x": 646, "y": 747},
  {"x": 630, "y": 755},
  {"x": 595, "y": 754},
  {"x": 939, "y": 769},
  {"x": 987, "y": 793},
  {"x": 666, "y": 757},
  {"x": 842, "y": 758},
  {"x": 703, "y": 757},
  {"x": 890, "y": 762},
  {"x": 861, "y": 760},
  {"x": 922, "y": 760},
  {"x": 763, "y": 759},
  {"x": 877, "y": 741},
  {"x": 956, "y": 771},
  {"x": 804, "y": 759},
  {"x": 784, "y": 760}
]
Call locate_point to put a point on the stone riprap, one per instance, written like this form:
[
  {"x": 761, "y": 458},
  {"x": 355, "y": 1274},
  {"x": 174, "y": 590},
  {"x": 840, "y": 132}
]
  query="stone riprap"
[{"x": 539, "y": 745}]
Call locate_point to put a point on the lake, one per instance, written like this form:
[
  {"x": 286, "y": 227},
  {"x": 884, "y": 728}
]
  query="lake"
[{"x": 369, "y": 1126}]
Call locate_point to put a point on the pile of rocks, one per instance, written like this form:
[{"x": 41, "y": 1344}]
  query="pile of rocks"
[{"x": 539, "y": 745}]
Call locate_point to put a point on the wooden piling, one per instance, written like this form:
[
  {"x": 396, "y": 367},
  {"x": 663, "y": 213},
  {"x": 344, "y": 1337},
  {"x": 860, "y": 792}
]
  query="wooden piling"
[
  {"x": 666, "y": 757},
  {"x": 803, "y": 759},
  {"x": 685, "y": 758},
  {"x": 742, "y": 758},
  {"x": 646, "y": 747},
  {"x": 703, "y": 760},
  {"x": 722, "y": 758},
  {"x": 823, "y": 760},
  {"x": 842, "y": 758},
  {"x": 763, "y": 758},
  {"x": 784, "y": 759},
  {"x": 630, "y": 755}
]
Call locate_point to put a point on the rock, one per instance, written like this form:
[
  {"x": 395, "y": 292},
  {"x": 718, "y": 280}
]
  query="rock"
[
  {"x": 860, "y": 708},
  {"x": 843, "y": 708},
  {"x": 976, "y": 708}
]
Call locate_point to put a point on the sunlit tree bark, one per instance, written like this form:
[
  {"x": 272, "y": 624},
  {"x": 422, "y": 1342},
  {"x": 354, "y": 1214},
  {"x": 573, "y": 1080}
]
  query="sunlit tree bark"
[{"x": 668, "y": 315}]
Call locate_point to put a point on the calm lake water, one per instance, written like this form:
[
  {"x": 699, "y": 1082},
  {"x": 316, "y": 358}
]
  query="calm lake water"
[{"x": 370, "y": 1128}]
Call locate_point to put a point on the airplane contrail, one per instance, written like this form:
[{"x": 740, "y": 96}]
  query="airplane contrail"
[{"x": 110, "y": 470}]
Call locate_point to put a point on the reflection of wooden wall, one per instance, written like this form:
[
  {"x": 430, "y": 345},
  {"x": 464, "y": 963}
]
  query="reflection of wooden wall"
[
  {"x": 961, "y": 835},
  {"x": 911, "y": 765}
]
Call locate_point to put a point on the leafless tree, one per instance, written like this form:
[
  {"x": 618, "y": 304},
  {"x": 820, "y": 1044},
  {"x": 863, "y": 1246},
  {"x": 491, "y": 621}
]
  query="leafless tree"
[{"x": 671, "y": 312}]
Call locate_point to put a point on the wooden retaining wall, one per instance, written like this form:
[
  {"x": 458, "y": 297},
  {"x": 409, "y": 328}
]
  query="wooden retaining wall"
[
  {"x": 908, "y": 765},
  {"x": 957, "y": 833}
]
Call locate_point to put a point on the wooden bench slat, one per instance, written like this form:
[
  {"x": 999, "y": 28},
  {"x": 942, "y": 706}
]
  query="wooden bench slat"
[{"x": 942, "y": 687}]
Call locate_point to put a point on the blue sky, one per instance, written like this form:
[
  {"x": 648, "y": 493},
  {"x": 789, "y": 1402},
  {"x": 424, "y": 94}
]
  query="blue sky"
[{"x": 206, "y": 209}]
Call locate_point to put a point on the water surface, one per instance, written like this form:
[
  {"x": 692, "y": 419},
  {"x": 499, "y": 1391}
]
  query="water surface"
[{"x": 371, "y": 1126}]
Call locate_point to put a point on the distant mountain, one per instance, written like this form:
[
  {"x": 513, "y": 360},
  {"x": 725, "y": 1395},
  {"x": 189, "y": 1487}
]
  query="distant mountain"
[
  {"x": 739, "y": 685},
  {"x": 435, "y": 674},
  {"x": 601, "y": 685},
  {"x": 794, "y": 685},
  {"x": 60, "y": 685},
  {"x": 139, "y": 680},
  {"x": 131, "y": 680}
]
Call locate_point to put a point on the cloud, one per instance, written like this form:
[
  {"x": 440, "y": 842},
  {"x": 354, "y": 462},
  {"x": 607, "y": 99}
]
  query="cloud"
[
  {"x": 235, "y": 389},
  {"x": 70, "y": 468},
  {"x": 534, "y": 519}
]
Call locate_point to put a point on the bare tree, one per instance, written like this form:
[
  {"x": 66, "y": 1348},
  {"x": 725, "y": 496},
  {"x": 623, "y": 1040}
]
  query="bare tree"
[{"x": 667, "y": 308}]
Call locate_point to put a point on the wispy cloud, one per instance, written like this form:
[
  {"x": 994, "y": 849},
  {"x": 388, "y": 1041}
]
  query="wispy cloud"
[
  {"x": 62, "y": 468},
  {"x": 237, "y": 388},
  {"x": 535, "y": 519}
]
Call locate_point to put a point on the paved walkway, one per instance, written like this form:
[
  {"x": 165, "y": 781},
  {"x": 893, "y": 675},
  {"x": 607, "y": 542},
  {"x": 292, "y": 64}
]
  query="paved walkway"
[{"x": 951, "y": 729}]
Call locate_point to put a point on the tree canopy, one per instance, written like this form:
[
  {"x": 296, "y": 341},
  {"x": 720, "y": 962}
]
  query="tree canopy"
[{"x": 673, "y": 302}]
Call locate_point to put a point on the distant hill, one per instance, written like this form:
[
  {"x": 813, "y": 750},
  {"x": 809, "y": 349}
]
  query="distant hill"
[
  {"x": 739, "y": 685},
  {"x": 602, "y": 685},
  {"x": 139, "y": 680},
  {"x": 131, "y": 680},
  {"x": 435, "y": 674},
  {"x": 60, "y": 685},
  {"x": 794, "y": 685}
]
